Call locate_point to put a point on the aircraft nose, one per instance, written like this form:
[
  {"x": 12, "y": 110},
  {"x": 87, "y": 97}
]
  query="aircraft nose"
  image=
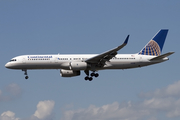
[{"x": 7, "y": 65}]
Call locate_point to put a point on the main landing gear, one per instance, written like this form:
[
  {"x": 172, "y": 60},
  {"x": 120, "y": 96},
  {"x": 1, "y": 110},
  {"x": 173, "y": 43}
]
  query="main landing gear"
[
  {"x": 25, "y": 73},
  {"x": 93, "y": 74}
]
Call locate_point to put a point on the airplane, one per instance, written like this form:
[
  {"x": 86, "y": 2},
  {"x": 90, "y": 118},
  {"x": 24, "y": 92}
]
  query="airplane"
[{"x": 71, "y": 65}]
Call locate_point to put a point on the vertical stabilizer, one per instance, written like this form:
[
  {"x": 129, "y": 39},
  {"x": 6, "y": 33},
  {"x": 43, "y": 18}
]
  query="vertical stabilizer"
[{"x": 155, "y": 46}]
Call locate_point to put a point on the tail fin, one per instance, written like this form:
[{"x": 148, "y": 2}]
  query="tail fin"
[{"x": 155, "y": 46}]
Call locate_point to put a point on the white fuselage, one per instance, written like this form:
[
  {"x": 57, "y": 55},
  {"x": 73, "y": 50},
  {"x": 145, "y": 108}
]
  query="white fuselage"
[
  {"x": 71, "y": 65},
  {"x": 120, "y": 61}
]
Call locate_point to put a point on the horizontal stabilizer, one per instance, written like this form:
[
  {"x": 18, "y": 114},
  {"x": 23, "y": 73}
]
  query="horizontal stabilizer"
[{"x": 161, "y": 56}]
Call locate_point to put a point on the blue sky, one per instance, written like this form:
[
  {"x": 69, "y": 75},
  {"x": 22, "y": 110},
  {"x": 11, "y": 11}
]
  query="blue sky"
[{"x": 91, "y": 26}]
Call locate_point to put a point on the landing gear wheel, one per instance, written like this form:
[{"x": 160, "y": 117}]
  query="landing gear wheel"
[
  {"x": 86, "y": 78},
  {"x": 96, "y": 75},
  {"x": 26, "y": 77},
  {"x": 92, "y": 74},
  {"x": 90, "y": 79}
]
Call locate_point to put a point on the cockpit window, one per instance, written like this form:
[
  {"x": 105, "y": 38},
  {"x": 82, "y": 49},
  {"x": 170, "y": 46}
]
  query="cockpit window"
[{"x": 12, "y": 60}]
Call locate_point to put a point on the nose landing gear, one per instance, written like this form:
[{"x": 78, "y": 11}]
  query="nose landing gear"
[{"x": 25, "y": 73}]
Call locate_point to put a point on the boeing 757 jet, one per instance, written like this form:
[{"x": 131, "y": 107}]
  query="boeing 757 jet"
[{"x": 71, "y": 65}]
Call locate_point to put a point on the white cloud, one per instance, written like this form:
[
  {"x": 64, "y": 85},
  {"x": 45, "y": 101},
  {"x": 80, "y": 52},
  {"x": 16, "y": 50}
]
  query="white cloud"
[
  {"x": 8, "y": 115},
  {"x": 12, "y": 91},
  {"x": 114, "y": 111},
  {"x": 165, "y": 100},
  {"x": 44, "y": 109},
  {"x": 172, "y": 90},
  {"x": 43, "y": 112},
  {"x": 159, "y": 103}
]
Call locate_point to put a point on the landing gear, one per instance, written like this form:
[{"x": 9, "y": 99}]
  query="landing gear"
[
  {"x": 88, "y": 78},
  {"x": 92, "y": 74},
  {"x": 25, "y": 73}
]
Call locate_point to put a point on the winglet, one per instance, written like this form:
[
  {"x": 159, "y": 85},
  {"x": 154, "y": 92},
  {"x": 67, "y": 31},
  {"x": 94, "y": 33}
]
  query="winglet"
[{"x": 126, "y": 40}]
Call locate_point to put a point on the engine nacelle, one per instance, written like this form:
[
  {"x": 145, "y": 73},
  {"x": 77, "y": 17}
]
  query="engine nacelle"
[
  {"x": 69, "y": 73},
  {"x": 78, "y": 65}
]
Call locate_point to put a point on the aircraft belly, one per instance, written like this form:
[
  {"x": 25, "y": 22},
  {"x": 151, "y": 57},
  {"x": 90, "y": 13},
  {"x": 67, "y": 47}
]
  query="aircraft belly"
[
  {"x": 37, "y": 66},
  {"x": 127, "y": 64},
  {"x": 120, "y": 65}
]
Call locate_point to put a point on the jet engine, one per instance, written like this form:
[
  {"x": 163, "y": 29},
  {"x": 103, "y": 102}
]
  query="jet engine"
[
  {"x": 69, "y": 73},
  {"x": 75, "y": 66},
  {"x": 78, "y": 65}
]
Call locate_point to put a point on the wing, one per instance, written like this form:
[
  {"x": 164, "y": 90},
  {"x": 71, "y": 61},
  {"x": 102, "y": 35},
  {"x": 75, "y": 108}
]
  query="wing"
[{"x": 100, "y": 59}]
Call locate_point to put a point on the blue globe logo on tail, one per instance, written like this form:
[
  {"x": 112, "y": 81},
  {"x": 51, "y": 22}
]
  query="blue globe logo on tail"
[
  {"x": 152, "y": 48},
  {"x": 155, "y": 46}
]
